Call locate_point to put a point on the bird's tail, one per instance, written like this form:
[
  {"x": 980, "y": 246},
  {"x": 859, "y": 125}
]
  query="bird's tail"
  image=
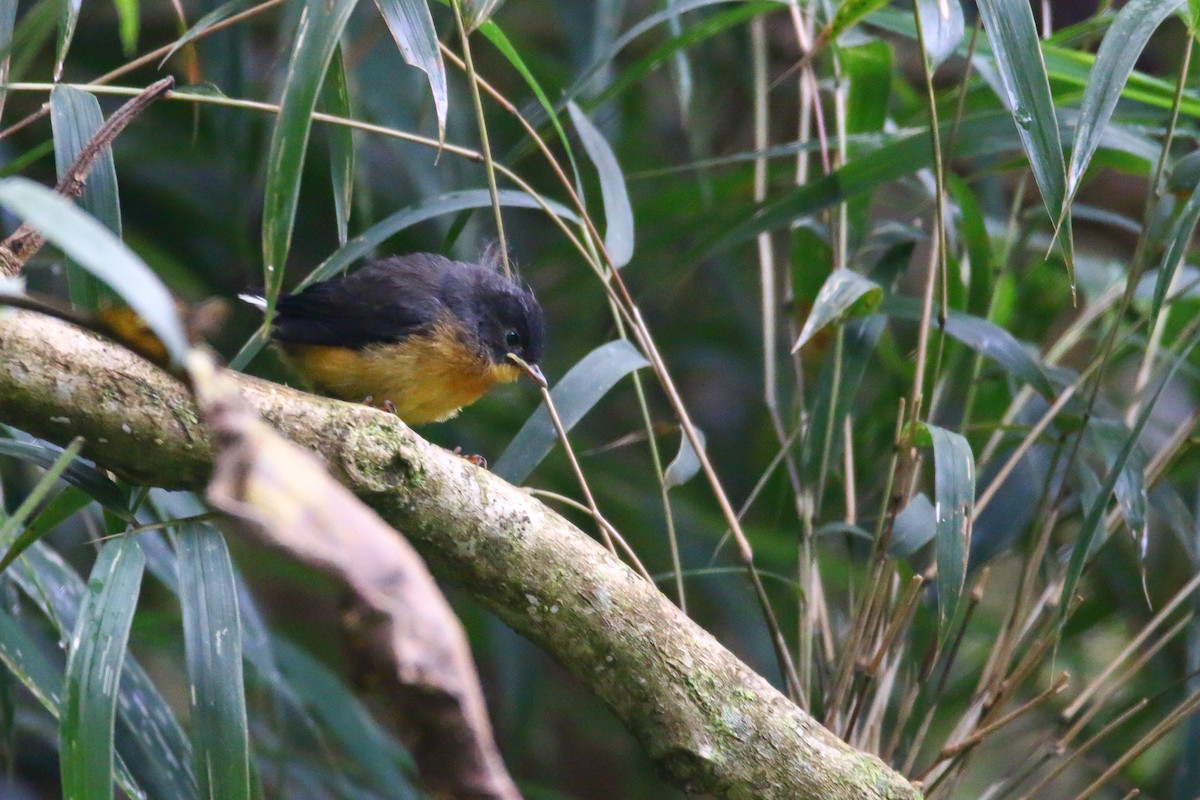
[{"x": 256, "y": 300}]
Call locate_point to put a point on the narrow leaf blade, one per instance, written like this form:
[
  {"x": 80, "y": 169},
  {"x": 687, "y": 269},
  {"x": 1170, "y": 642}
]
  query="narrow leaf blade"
[
  {"x": 954, "y": 503},
  {"x": 618, "y": 212},
  {"x": 97, "y": 250},
  {"x": 94, "y": 665},
  {"x": 579, "y": 390},
  {"x": 844, "y": 294}
]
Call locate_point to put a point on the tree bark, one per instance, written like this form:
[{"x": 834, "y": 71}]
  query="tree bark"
[{"x": 711, "y": 724}]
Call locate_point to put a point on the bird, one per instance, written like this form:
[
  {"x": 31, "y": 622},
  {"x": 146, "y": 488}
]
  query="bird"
[{"x": 421, "y": 334}]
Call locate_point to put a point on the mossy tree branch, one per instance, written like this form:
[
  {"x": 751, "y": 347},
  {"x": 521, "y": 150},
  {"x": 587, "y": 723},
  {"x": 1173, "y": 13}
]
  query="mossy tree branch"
[{"x": 713, "y": 725}]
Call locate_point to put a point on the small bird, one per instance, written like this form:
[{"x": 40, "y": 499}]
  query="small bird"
[{"x": 419, "y": 333}]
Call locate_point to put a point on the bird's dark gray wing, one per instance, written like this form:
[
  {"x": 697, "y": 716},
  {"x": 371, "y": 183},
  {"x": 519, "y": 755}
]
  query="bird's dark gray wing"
[{"x": 382, "y": 302}]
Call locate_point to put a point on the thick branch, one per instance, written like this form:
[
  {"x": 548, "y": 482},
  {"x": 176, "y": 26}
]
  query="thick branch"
[{"x": 713, "y": 725}]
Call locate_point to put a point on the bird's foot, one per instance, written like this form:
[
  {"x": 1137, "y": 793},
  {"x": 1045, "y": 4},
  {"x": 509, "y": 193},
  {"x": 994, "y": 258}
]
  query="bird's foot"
[
  {"x": 477, "y": 460},
  {"x": 386, "y": 405}
]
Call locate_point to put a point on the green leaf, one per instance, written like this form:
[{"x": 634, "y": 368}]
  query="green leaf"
[
  {"x": 954, "y": 503},
  {"x": 75, "y": 117},
  {"x": 984, "y": 337},
  {"x": 1122, "y": 46},
  {"x": 127, "y": 14},
  {"x": 492, "y": 32},
  {"x": 317, "y": 36},
  {"x": 686, "y": 463},
  {"x": 79, "y": 472},
  {"x": 32, "y": 500},
  {"x": 94, "y": 665},
  {"x": 914, "y": 528},
  {"x": 844, "y": 295},
  {"x": 1022, "y": 68},
  {"x": 1177, "y": 248},
  {"x": 1193, "y": 19},
  {"x": 96, "y": 249},
  {"x": 849, "y": 14},
  {"x": 212, "y": 631},
  {"x": 979, "y": 136},
  {"x": 348, "y": 721},
  {"x": 579, "y": 390},
  {"x": 8, "y": 19},
  {"x": 218, "y": 14},
  {"x": 335, "y": 100},
  {"x": 618, "y": 213},
  {"x": 941, "y": 28},
  {"x": 478, "y": 12},
  {"x": 149, "y": 739},
  {"x": 412, "y": 28},
  {"x": 1090, "y": 529},
  {"x": 67, "y": 18},
  {"x": 448, "y": 203}
]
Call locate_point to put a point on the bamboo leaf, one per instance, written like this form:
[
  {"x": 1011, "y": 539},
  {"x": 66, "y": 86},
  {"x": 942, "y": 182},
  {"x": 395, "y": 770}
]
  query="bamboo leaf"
[
  {"x": 75, "y": 117},
  {"x": 412, "y": 28},
  {"x": 941, "y": 28},
  {"x": 94, "y": 665},
  {"x": 954, "y": 503},
  {"x": 317, "y": 36},
  {"x": 335, "y": 99},
  {"x": 618, "y": 213},
  {"x": 1115, "y": 61},
  {"x": 213, "y": 642},
  {"x": 686, "y": 463},
  {"x": 579, "y": 390},
  {"x": 1022, "y": 69},
  {"x": 213, "y": 17},
  {"x": 844, "y": 295},
  {"x": 97, "y": 250},
  {"x": 129, "y": 23}
]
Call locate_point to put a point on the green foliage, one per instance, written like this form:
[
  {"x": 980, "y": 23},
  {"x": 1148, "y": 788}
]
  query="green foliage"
[{"x": 938, "y": 480}]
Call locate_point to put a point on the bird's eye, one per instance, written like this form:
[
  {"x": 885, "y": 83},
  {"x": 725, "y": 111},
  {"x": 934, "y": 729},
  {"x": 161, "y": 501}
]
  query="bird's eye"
[{"x": 512, "y": 338}]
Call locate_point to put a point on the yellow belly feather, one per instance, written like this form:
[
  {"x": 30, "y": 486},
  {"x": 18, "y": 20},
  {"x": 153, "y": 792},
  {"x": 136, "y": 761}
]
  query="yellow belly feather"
[{"x": 428, "y": 378}]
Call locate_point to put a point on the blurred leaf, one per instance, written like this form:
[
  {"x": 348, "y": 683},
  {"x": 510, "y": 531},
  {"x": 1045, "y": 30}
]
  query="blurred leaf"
[
  {"x": 941, "y": 28},
  {"x": 1122, "y": 46},
  {"x": 1193, "y": 14},
  {"x": 686, "y": 463},
  {"x": 1018, "y": 56},
  {"x": 447, "y": 203},
  {"x": 1090, "y": 529},
  {"x": 579, "y": 390},
  {"x": 681, "y": 67},
  {"x": 8, "y": 19},
  {"x": 954, "y": 503},
  {"x": 492, "y": 32},
  {"x": 94, "y": 664},
  {"x": 148, "y": 737},
  {"x": 412, "y": 28},
  {"x": 128, "y": 15},
  {"x": 849, "y": 13},
  {"x": 316, "y": 38},
  {"x": 79, "y": 472},
  {"x": 1178, "y": 242},
  {"x": 387, "y": 764},
  {"x": 68, "y": 16},
  {"x": 478, "y": 12},
  {"x": 914, "y": 528},
  {"x": 824, "y": 445},
  {"x": 1106, "y": 436},
  {"x": 34, "y": 498},
  {"x": 978, "y": 136},
  {"x": 1185, "y": 173},
  {"x": 335, "y": 100},
  {"x": 618, "y": 213},
  {"x": 98, "y": 251},
  {"x": 21, "y": 654},
  {"x": 75, "y": 117},
  {"x": 213, "y": 639},
  {"x": 218, "y": 14},
  {"x": 984, "y": 337},
  {"x": 845, "y": 294},
  {"x": 973, "y": 229}
]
